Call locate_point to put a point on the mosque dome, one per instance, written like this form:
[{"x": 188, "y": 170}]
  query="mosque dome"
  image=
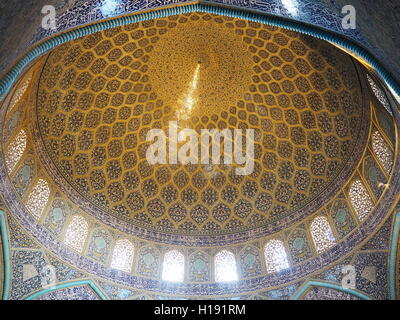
[
  {"x": 78, "y": 178},
  {"x": 99, "y": 96}
]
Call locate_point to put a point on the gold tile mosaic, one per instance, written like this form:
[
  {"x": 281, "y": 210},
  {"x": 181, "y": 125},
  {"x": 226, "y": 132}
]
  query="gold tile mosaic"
[{"x": 99, "y": 96}]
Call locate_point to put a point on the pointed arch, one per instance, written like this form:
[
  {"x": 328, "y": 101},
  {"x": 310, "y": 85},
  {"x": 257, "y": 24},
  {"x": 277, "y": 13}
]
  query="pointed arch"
[
  {"x": 122, "y": 257},
  {"x": 322, "y": 234},
  {"x": 76, "y": 233},
  {"x": 199, "y": 267},
  {"x": 225, "y": 266},
  {"x": 148, "y": 261},
  {"x": 275, "y": 256},
  {"x": 38, "y": 198},
  {"x": 15, "y": 150},
  {"x": 173, "y": 266}
]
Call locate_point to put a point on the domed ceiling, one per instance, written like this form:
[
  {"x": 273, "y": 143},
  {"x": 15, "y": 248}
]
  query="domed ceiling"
[
  {"x": 78, "y": 190},
  {"x": 99, "y": 96}
]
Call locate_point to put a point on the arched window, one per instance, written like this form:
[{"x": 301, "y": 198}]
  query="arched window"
[
  {"x": 321, "y": 233},
  {"x": 15, "y": 150},
  {"x": 360, "y": 199},
  {"x": 173, "y": 266},
  {"x": 76, "y": 233},
  {"x": 123, "y": 255},
  {"x": 38, "y": 198},
  {"x": 225, "y": 266},
  {"x": 379, "y": 94},
  {"x": 275, "y": 256},
  {"x": 19, "y": 93},
  {"x": 382, "y": 151}
]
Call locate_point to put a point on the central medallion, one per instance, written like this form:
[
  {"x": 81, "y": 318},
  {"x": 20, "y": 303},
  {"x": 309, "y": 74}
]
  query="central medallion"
[{"x": 200, "y": 68}]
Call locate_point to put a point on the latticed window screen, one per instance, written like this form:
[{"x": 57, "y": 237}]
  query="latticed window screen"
[
  {"x": 38, "y": 198},
  {"x": 275, "y": 256},
  {"x": 379, "y": 94},
  {"x": 173, "y": 266},
  {"x": 15, "y": 150},
  {"x": 382, "y": 151},
  {"x": 321, "y": 233},
  {"x": 123, "y": 255},
  {"x": 225, "y": 266},
  {"x": 76, "y": 233},
  {"x": 19, "y": 93},
  {"x": 360, "y": 199}
]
